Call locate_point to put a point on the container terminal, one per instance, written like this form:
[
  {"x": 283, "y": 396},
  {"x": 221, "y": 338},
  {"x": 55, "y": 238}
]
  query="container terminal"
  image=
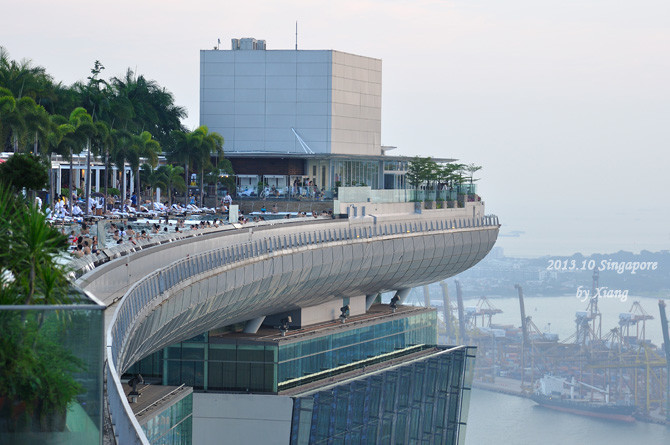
[{"x": 608, "y": 368}]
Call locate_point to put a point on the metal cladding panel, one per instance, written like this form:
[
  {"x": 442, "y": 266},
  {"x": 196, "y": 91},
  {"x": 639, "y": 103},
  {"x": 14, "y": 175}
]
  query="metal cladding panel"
[{"x": 303, "y": 276}]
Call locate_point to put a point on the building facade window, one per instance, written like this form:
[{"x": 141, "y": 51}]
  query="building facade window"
[
  {"x": 219, "y": 363},
  {"x": 419, "y": 402}
]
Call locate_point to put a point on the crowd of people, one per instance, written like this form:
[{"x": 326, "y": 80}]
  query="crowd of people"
[
  {"x": 120, "y": 231},
  {"x": 83, "y": 243},
  {"x": 99, "y": 205}
]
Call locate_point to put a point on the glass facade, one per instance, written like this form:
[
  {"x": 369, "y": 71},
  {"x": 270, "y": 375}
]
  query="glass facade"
[
  {"x": 420, "y": 402},
  {"x": 302, "y": 358},
  {"x": 394, "y": 174},
  {"x": 353, "y": 173},
  {"x": 223, "y": 363},
  {"x": 52, "y": 362},
  {"x": 174, "y": 425}
]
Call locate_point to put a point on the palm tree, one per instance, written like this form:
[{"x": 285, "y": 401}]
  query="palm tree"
[
  {"x": 146, "y": 147},
  {"x": 95, "y": 95},
  {"x": 153, "y": 179},
  {"x": 212, "y": 144},
  {"x": 14, "y": 115},
  {"x": 146, "y": 107},
  {"x": 9, "y": 117},
  {"x": 186, "y": 150},
  {"x": 24, "y": 79},
  {"x": 122, "y": 153},
  {"x": 471, "y": 169},
  {"x": 84, "y": 130},
  {"x": 101, "y": 144},
  {"x": 58, "y": 141},
  {"x": 172, "y": 177},
  {"x": 31, "y": 250},
  {"x": 38, "y": 125}
]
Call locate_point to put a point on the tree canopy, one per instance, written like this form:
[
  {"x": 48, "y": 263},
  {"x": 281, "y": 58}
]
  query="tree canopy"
[
  {"x": 24, "y": 170},
  {"x": 131, "y": 102},
  {"x": 426, "y": 172}
]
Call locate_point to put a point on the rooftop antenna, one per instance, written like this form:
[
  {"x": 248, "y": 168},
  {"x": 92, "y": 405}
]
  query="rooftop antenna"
[{"x": 296, "y": 35}]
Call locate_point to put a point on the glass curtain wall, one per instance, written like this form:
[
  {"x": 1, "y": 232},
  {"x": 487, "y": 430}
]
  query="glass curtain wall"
[
  {"x": 51, "y": 388},
  {"x": 420, "y": 402},
  {"x": 298, "y": 359},
  {"x": 356, "y": 173},
  {"x": 394, "y": 175},
  {"x": 174, "y": 425},
  {"x": 230, "y": 364}
]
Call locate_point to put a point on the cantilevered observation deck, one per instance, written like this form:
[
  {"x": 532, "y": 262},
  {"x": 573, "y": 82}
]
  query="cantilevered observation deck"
[{"x": 173, "y": 291}]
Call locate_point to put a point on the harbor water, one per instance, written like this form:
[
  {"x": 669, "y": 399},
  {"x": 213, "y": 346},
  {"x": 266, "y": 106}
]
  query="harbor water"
[
  {"x": 509, "y": 420},
  {"x": 519, "y": 421}
]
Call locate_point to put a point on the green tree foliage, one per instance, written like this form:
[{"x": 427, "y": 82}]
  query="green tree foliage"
[
  {"x": 471, "y": 169},
  {"x": 122, "y": 119},
  {"x": 212, "y": 145},
  {"x": 23, "y": 79},
  {"x": 84, "y": 129},
  {"x": 101, "y": 145},
  {"x": 186, "y": 151},
  {"x": 36, "y": 371},
  {"x": 29, "y": 270},
  {"x": 172, "y": 177},
  {"x": 130, "y": 102},
  {"x": 24, "y": 170},
  {"x": 144, "y": 146},
  {"x": 123, "y": 152},
  {"x": 21, "y": 121},
  {"x": 419, "y": 171},
  {"x": 194, "y": 150},
  {"x": 450, "y": 174},
  {"x": 152, "y": 179},
  {"x": 143, "y": 105},
  {"x": 428, "y": 173}
]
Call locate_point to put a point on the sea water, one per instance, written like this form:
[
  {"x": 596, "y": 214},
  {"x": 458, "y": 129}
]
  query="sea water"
[{"x": 496, "y": 418}]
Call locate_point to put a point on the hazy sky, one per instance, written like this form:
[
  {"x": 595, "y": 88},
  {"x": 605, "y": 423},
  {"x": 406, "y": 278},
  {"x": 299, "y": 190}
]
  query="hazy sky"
[{"x": 565, "y": 104}]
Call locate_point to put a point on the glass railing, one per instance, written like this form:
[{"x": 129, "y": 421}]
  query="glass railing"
[
  {"x": 51, "y": 377},
  {"x": 295, "y": 193},
  {"x": 357, "y": 194},
  {"x": 388, "y": 357},
  {"x": 457, "y": 195}
]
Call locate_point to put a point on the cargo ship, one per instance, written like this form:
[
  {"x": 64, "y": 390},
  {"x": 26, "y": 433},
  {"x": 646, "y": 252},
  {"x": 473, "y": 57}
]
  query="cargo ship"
[{"x": 550, "y": 393}]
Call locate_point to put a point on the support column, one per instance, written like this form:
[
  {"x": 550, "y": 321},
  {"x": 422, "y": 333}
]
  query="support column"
[
  {"x": 369, "y": 300},
  {"x": 426, "y": 295},
  {"x": 115, "y": 176},
  {"x": 251, "y": 326},
  {"x": 447, "y": 308},
  {"x": 205, "y": 368},
  {"x": 402, "y": 294},
  {"x": 59, "y": 181},
  {"x": 97, "y": 180}
]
